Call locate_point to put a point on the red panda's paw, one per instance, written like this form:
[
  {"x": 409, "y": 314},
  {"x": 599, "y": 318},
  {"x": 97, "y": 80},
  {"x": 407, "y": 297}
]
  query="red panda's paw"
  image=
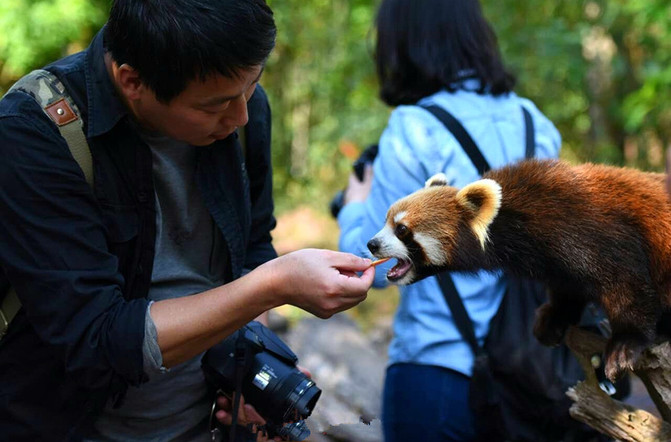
[
  {"x": 622, "y": 354},
  {"x": 549, "y": 328}
]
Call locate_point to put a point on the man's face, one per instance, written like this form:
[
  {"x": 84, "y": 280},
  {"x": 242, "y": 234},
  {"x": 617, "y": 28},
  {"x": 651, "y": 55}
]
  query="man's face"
[{"x": 204, "y": 112}]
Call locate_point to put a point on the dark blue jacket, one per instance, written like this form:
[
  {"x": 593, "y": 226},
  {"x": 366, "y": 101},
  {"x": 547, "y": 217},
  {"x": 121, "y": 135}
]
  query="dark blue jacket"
[{"x": 80, "y": 259}]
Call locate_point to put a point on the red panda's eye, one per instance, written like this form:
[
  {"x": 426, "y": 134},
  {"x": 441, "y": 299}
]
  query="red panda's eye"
[{"x": 401, "y": 231}]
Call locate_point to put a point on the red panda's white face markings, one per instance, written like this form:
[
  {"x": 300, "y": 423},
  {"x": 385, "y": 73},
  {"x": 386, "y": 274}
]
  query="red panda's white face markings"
[{"x": 422, "y": 229}]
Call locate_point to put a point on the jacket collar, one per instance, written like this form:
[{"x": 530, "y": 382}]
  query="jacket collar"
[{"x": 105, "y": 107}]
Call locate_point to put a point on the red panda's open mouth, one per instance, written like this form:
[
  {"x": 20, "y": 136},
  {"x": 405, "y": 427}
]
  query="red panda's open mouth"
[{"x": 399, "y": 270}]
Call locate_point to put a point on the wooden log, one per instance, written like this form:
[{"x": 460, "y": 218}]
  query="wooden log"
[
  {"x": 611, "y": 417},
  {"x": 586, "y": 346},
  {"x": 654, "y": 369},
  {"x": 614, "y": 418}
]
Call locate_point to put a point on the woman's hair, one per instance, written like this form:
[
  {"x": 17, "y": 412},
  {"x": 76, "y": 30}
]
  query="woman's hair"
[
  {"x": 424, "y": 46},
  {"x": 171, "y": 42}
]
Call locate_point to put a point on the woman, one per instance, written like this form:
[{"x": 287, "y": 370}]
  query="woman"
[{"x": 444, "y": 53}]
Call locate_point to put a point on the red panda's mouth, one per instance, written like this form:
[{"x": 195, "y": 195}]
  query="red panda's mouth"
[{"x": 399, "y": 270}]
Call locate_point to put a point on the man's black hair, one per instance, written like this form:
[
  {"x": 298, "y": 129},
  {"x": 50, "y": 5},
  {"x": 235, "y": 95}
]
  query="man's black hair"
[
  {"x": 424, "y": 46},
  {"x": 171, "y": 42}
]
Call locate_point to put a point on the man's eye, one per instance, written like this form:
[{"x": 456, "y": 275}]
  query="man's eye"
[
  {"x": 401, "y": 231},
  {"x": 213, "y": 110}
]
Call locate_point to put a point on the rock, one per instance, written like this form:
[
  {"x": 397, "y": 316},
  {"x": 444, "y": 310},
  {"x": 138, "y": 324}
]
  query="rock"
[{"x": 349, "y": 369}]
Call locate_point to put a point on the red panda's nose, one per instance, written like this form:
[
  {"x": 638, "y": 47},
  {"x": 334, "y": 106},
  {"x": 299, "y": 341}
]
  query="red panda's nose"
[{"x": 373, "y": 245}]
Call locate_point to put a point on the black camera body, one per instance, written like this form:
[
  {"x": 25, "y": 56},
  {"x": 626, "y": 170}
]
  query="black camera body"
[
  {"x": 270, "y": 381},
  {"x": 359, "y": 165}
]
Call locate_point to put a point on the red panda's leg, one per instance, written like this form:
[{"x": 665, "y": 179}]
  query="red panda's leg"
[
  {"x": 633, "y": 316},
  {"x": 563, "y": 308},
  {"x": 622, "y": 353}
]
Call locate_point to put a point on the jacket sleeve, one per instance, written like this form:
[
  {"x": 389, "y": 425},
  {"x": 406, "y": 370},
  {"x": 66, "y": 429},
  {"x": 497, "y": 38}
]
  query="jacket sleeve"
[
  {"x": 55, "y": 253},
  {"x": 259, "y": 169}
]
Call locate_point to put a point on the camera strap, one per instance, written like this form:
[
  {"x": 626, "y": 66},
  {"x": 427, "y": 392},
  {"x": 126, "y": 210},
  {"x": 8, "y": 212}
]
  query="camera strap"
[{"x": 241, "y": 360}]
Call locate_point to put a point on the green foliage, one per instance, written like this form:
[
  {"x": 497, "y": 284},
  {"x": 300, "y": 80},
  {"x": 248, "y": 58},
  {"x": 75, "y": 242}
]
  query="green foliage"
[
  {"x": 35, "y": 32},
  {"x": 323, "y": 93},
  {"x": 600, "y": 69}
]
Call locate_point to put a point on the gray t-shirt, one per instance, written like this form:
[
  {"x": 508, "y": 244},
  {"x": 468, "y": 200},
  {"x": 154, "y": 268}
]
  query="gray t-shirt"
[{"x": 190, "y": 258}]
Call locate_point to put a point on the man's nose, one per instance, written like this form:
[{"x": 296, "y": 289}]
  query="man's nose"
[{"x": 238, "y": 115}]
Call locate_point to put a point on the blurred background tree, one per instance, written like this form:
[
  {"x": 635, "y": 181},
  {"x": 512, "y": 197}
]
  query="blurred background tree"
[{"x": 600, "y": 69}]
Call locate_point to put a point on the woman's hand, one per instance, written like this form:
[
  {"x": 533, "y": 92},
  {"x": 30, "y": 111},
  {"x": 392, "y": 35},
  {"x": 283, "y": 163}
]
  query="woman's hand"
[{"x": 357, "y": 191}]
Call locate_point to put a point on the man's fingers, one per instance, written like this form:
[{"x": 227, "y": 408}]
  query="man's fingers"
[
  {"x": 253, "y": 416},
  {"x": 304, "y": 370},
  {"x": 347, "y": 261},
  {"x": 366, "y": 278},
  {"x": 246, "y": 413}
]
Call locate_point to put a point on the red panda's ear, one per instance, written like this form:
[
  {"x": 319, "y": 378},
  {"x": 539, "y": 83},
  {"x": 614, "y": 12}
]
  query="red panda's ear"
[
  {"x": 482, "y": 200},
  {"x": 438, "y": 179}
]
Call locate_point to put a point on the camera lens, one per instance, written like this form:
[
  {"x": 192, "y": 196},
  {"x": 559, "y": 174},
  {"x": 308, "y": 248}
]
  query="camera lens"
[
  {"x": 257, "y": 361},
  {"x": 301, "y": 398},
  {"x": 284, "y": 393}
]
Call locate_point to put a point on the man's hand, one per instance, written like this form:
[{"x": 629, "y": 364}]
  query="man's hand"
[
  {"x": 322, "y": 282},
  {"x": 246, "y": 415}
]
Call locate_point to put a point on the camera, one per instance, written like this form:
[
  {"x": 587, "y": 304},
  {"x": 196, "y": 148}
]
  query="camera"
[
  {"x": 256, "y": 362},
  {"x": 359, "y": 165}
]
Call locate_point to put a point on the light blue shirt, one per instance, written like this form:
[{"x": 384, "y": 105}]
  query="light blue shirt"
[{"x": 413, "y": 147}]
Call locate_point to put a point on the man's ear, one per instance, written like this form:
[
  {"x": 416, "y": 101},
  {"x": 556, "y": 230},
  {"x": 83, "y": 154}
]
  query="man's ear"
[
  {"x": 128, "y": 81},
  {"x": 438, "y": 179},
  {"x": 482, "y": 200}
]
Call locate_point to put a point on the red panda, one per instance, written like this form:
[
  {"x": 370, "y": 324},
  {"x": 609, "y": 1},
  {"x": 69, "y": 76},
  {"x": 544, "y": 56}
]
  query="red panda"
[{"x": 591, "y": 232}]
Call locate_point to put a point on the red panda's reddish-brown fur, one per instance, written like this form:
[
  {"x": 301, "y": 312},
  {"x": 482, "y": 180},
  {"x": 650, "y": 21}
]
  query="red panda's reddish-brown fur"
[{"x": 592, "y": 232}]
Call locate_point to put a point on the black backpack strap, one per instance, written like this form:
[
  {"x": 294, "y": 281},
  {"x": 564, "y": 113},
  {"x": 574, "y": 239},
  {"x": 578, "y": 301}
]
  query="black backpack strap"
[
  {"x": 454, "y": 126},
  {"x": 530, "y": 150},
  {"x": 454, "y": 302},
  {"x": 459, "y": 313},
  {"x": 457, "y": 129}
]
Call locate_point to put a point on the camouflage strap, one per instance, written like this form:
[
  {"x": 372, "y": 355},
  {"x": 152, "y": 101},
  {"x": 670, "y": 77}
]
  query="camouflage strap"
[
  {"x": 10, "y": 307},
  {"x": 52, "y": 97},
  {"x": 54, "y": 100}
]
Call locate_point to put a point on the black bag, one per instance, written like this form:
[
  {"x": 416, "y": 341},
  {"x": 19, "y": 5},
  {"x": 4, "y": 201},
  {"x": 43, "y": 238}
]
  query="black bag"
[{"x": 518, "y": 386}]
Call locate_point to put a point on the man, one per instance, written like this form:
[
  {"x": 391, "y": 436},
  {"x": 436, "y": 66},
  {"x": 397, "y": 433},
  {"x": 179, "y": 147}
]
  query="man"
[{"x": 107, "y": 344}]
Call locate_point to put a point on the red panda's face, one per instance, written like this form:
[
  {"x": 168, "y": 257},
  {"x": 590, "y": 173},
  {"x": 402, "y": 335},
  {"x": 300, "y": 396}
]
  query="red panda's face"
[{"x": 424, "y": 229}]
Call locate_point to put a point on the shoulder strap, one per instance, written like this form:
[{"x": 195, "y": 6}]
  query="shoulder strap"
[
  {"x": 457, "y": 129},
  {"x": 459, "y": 313},
  {"x": 454, "y": 302},
  {"x": 530, "y": 150},
  {"x": 9, "y": 308},
  {"x": 54, "y": 100}
]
